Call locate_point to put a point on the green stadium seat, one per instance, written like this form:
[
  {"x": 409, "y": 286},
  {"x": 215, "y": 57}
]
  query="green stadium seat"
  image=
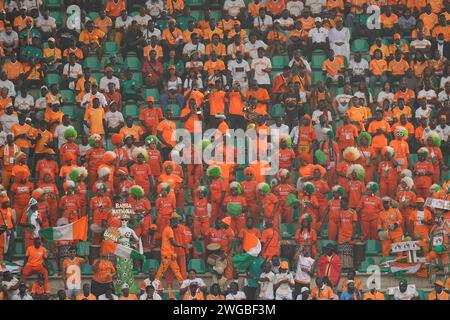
[
  {"x": 413, "y": 158},
  {"x": 58, "y": 18},
  {"x": 86, "y": 269},
  {"x": 93, "y": 63},
  {"x": 132, "y": 63},
  {"x": 151, "y": 92},
  {"x": 83, "y": 248},
  {"x": 372, "y": 247},
  {"x": 278, "y": 62},
  {"x": 68, "y": 96},
  {"x": 447, "y": 177},
  {"x": 97, "y": 76},
  {"x": 317, "y": 61},
  {"x": 240, "y": 175},
  {"x": 199, "y": 247},
  {"x": 53, "y": 4},
  {"x": 52, "y": 78},
  {"x": 422, "y": 294},
  {"x": 19, "y": 249},
  {"x": 176, "y": 295},
  {"x": 287, "y": 231},
  {"x": 92, "y": 15},
  {"x": 50, "y": 268},
  {"x": 197, "y": 14},
  {"x": 175, "y": 109},
  {"x": 277, "y": 110},
  {"x": 360, "y": 45},
  {"x": 195, "y": 3},
  {"x": 215, "y": 14},
  {"x": 70, "y": 109},
  {"x": 150, "y": 263},
  {"x": 131, "y": 110},
  {"x": 111, "y": 48},
  {"x": 137, "y": 76},
  {"x": 198, "y": 265},
  {"x": 317, "y": 76}
]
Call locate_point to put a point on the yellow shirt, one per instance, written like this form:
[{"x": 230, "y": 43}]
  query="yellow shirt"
[{"x": 95, "y": 119}]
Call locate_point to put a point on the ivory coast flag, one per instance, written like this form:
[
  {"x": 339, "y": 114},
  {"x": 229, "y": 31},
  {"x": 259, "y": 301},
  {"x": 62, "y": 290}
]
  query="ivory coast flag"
[
  {"x": 76, "y": 230},
  {"x": 252, "y": 247},
  {"x": 109, "y": 247}
]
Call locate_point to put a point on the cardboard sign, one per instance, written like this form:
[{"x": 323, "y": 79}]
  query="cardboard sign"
[
  {"x": 405, "y": 246},
  {"x": 438, "y": 203}
]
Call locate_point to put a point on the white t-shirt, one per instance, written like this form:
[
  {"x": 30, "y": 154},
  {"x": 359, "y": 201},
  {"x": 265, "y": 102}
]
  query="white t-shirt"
[
  {"x": 186, "y": 283},
  {"x": 190, "y": 47},
  {"x": 263, "y": 24},
  {"x": 173, "y": 85},
  {"x": 361, "y": 95},
  {"x": 266, "y": 287},
  {"x": 24, "y": 104},
  {"x": 252, "y": 48},
  {"x": 148, "y": 34},
  {"x": 103, "y": 297},
  {"x": 59, "y": 134},
  {"x": 317, "y": 113},
  {"x": 155, "y": 7},
  {"x": 359, "y": 68},
  {"x": 258, "y": 64},
  {"x": 46, "y": 25},
  {"x": 25, "y": 297},
  {"x": 427, "y": 94},
  {"x": 104, "y": 81},
  {"x": 409, "y": 293},
  {"x": 420, "y": 44},
  {"x": 284, "y": 290},
  {"x": 318, "y": 35},
  {"x": 315, "y": 5},
  {"x": 100, "y": 96},
  {"x": 142, "y": 21},
  {"x": 238, "y": 296},
  {"x": 10, "y": 86},
  {"x": 113, "y": 119},
  {"x": 9, "y": 284},
  {"x": 120, "y": 23},
  {"x": 383, "y": 95},
  {"x": 286, "y": 23},
  {"x": 443, "y": 96},
  {"x": 420, "y": 113},
  {"x": 74, "y": 71},
  {"x": 9, "y": 39},
  {"x": 8, "y": 121},
  {"x": 281, "y": 130},
  {"x": 233, "y": 7},
  {"x": 305, "y": 263},
  {"x": 444, "y": 81},
  {"x": 155, "y": 296},
  {"x": 295, "y": 8},
  {"x": 443, "y": 132},
  {"x": 239, "y": 71}
]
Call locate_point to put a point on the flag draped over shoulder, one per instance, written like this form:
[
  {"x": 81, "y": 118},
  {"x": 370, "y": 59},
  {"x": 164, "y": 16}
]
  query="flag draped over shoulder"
[
  {"x": 76, "y": 230},
  {"x": 109, "y": 247},
  {"x": 9, "y": 266},
  {"x": 252, "y": 247}
]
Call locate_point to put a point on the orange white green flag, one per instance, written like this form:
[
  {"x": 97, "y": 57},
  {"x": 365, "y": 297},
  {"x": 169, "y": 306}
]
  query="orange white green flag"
[{"x": 76, "y": 230}]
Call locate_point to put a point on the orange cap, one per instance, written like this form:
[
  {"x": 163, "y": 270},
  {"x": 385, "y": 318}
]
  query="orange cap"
[
  {"x": 396, "y": 36},
  {"x": 284, "y": 265},
  {"x": 227, "y": 221},
  {"x": 150, "y": 99},
  {"x": 439, "y": 283}
]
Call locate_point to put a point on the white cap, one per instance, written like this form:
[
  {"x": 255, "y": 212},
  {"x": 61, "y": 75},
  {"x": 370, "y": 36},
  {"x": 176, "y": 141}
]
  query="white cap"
[
  {"x": 318, "y": 19},
  {"x": 304, "y": 289},
  {"x": 125, "y": 286},
  {"x": 386, "y": 198}
]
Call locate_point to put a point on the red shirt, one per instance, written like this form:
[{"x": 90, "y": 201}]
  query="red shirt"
[
  {"x": 140, "y": 173},
  {"x": 70, "y": 204},
  {"x": 165, "y": 206},
  {"x": 201, "y": 208},
  {"x": 370, "y": 207},
  {"x": 94, "y": 157},
  {"x": 286, "y": 158},
  {"x": 423, "y": 167},
  {"x": 150, "y": 117},
  {"x": 154, "y": 161},
  {"x": 355, "y": 189},
  {"x": 346, "y": 220},
  {"x": 100, "y": 207},
  {"x": 216, "y": 187},
  {"x": 45, "y": 166}
]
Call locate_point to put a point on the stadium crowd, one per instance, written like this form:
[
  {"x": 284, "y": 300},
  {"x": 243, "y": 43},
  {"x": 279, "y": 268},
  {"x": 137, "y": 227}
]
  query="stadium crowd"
[{"x": 91, "y": 93}]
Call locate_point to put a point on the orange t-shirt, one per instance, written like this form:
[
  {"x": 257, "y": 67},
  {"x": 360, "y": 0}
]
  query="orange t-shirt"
[
  {"x": 167, "y": 127},
  {"x": 236, "y": 104},
  {"x": 35, "y": 256},
  {"x": 113, "y": 8},
  {"x": 167, "y": 249},
  {"x": 13, "y": 70},
  {"x": 398, "y": 67},
  {"x": 334, "y": 67},
  {"x": 378, "y": 66},
  {"x": 103, "y": 271},
  {"x": 95, "y": 117},
  {"x": 379, "y": 140},
  {"x": 217, "y": 102},
  {"x": 91, "y": 37}
]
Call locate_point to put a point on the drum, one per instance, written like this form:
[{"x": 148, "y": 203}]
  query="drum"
[
  {"x": 212, "y": 253},
  {"x": 345, "y": 253},
  {"x": 359, "y": 254}
]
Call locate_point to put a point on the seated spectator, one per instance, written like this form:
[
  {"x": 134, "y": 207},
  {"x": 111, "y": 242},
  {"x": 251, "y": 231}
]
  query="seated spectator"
[
  {"x": 152, "y": 71},
  {"x": 333, "y": 69},
  {"x": 130, "y": 89},
  {"x": 92, "y": 39}
]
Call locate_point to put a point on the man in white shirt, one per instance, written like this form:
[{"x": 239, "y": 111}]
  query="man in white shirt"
[
  {"x": 235, "y": 294},
  {"x": 295, "y": 8},
  {"x": 114, "y": 118},
  {"x": 155, "y": 7},
  {"x": 142, "y": 19},
  {"x": 192, "y": 277},
  {"x": 46, "y": 23},
  {"x": 24, "y": 102},
  {"x": 94, "y": 94},
  {"x": 428, "y": 94},
  {"x": 10, "y": 283},
  {"x": 22, "y": 294},
  {"x": 8, "y": 84},
  {"x": 263, "y": 22},
  {"x": 420, "y": 44},
  {"x": 60, "y": 129},
  {"x": 239, "y": 70},
  {"x": 405, "y": 291},
  {"x": 108, "y": 295},
  {"x": 442, "y": 128},
  {"x": 108, "y": 78},
  {"x": 234, "y": 7},
  {"x": 316, "y": 5},
  {"x": 443, "y": 96},
  {"x": 278, "y": 127},
  {"x": 123, "y": 22},
  {"x": 304, "y": 269},
  {"x": 284, "y": 281},
  {"x": 8, "y": 118},
  {"x": 423, "y": 111},
  {"x": 9, "y": 39},
  {"x": 319, "y": 35},
  {"x": 261, "y": 68},
  {"x": 286, "y": 22},
  {"x": 71, "y": 72},
  {"x": 359, "y": 68},
  {"x": 150, "y": 31},
  {"x": 251, "y": 47},
  {"x": 150, "y": 294},
  {"x": 266, "y": 281},
  {"x": 194, "y": 45},
  {"x": 339, "y": 38}
]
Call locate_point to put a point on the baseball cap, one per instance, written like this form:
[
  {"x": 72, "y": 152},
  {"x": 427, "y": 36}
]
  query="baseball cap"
[
  {"x": 150, "y": 99},
  {"x": 318, "y": 19},
  {"x": 284, "y": 265}
]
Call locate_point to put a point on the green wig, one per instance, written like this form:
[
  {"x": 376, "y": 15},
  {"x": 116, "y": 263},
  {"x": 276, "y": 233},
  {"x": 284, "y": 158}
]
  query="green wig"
[
  {"x": 151, "y": 138},
  {"x": 364, "y": 135},
  {"x": 309, "y": 188},
  {"x": 435, "y": 139},
  {"x": 70, "y": 132},
  {"x": 423, "y": 152},
  {"x": 264, "y": 187},
  {"x": 74, "y": 175},
  {"x": 214, "y": 171},
  {"x": 236, "y": 185},
  {"x": 373, "y": 186},
  {"x": 286, "y": 139},
  {"x": 338, "y": 189},
  {"x": 136, "y": 191},
  {"x": 320, "y": 156}
]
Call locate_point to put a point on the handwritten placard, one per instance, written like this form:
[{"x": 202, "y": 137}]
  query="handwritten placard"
[
  {"x": 405, "y": 246},
  {"x": 438, "y": 203}
]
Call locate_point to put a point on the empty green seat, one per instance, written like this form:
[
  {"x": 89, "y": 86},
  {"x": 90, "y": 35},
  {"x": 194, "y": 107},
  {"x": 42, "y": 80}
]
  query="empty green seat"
[
  {"x": 149, "y": 264},
  {"x": 198, "y": 265},
  {"x": 360, "y": 45},
  {"x": 277, "y": 110},
  {"x": 151, "y": 92},
  {"x": 92, "y": 15},
  {"x": 70, "y": 110},
  {"x": 86, "y": 269},
  {"x": 19, "y": 248},
  {"x": 137, "y": 76},
  {"x": 52, "y": 78},
  {"x": 58, "y": 17},
  {"x": 92, "y": 63},
  {"x": 83, "y": 248},
  {"x": 68, "y": 96},
  {"x": 317, "y": 61},
  {"x": 131, "y": 110},
  {"x": 197, "y": 15},
  {"x": 132, "y": 63},
  {"x": 53, "y": 4},
  {"x": 195, "y": 3},
  {"x": 287, "y": 231},
  {"x": 372, "y": 247},
  {"x": 175, "y": 109},
  {"x": 422, "y": 294},
  {"x": 317, "y": 76},
  {"x": 240, "y": 175},
  {"x": 278, "y": 62},
  {"x": 109, "y": 145},
  {"x": 215, "y": 14},
  {"x": 110, "y": 48}
]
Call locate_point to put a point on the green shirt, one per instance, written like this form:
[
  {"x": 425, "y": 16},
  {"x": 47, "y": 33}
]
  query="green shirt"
[
  {"x": 127, "y": 87},
  {"x": 31, "y": 52},
  {"x": 183, "y": 22},
  {"x": 179, "y": 66},
  {"x": 25, "y": 33}
]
